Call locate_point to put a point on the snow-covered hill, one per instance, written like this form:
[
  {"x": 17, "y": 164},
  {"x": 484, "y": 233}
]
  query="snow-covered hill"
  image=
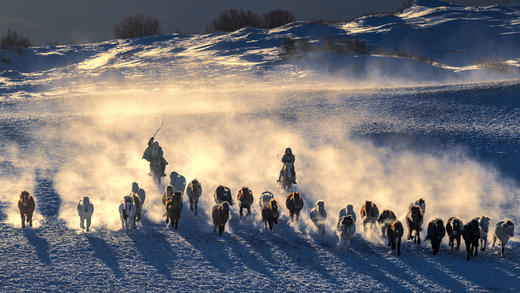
[{"x": 433, "y": 114}]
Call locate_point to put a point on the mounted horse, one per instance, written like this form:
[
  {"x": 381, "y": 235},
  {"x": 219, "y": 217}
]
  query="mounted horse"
[
  {"x": 270, "y": 214},
  {"x": 318, "y": 215},
  {"x": 194, "y": 192},
  {"x": 220, "y": 215},
  {"x": 127, "y": 213},
  {"x": 286, "y": 179},
  {"x": 294, "y": 204},
  {"x": 245, "y": 200},
  {"x": 223, "y": 194},
  {"x": 414, "y": 221},
  {"x": 369, "y": 213},
  {"x": 26, "y": 205},
  {"x": 173, "y": 209},
  {"x": 85, "y": 210}
]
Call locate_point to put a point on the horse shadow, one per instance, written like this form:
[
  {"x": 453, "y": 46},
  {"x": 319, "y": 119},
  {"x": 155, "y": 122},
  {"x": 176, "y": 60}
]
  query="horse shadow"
[
  {"x": 286, "y": 240},
  {"x": 3, "y": 206},
  {"x": 40, "y": 244},
  {"x": 160, "y": 255},
  {"x": 48, "y": 200},
  {"x": 105, "y": 253}
]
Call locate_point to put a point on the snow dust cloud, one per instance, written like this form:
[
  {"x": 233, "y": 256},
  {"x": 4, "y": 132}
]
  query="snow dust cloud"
[{"x": 235, "y": 137}]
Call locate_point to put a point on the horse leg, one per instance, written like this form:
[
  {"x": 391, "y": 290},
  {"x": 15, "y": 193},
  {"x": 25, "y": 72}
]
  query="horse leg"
[
  {"x": 22, "y": 215},
  {"x": 241, "y": 211},
  {"x": 418, "y": 237},
  {"x": 249, "y": 210},
  {"x": 399, "y": 246},
  {"x": 468, "y": 250},
  {"x": 196, "y": 204},
  {"x": 220, "y": 229},
  {"x": 502, "y": 249},
  {"x": 88, "y": 223},
  {"x": 348, "y": 243},
  {"x": 476, "y": 249},
  {"x": 458, "y": 242},
  {"x": 483, "y": 244}
]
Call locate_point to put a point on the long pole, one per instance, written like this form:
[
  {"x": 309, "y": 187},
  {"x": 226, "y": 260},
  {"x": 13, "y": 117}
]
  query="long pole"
[{"x": 162, "y": 123}]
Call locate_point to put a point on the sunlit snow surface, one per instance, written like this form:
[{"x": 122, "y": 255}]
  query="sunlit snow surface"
[{"x": 75, "y": 121}]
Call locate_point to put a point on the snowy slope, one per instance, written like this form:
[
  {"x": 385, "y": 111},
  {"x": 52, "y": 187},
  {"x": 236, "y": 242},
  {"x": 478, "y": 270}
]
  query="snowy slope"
[{"x": 75, "y": 120}]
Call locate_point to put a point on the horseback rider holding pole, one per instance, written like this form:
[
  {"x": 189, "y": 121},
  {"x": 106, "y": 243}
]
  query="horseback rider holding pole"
[{"x": 154, "y": 155}]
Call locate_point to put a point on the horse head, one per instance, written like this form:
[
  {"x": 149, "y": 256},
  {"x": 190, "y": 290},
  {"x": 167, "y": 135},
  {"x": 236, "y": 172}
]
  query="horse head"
[
  {"x": 24, "y": 197},
  {"x": 510, "y": 227},
  {"x": 135, "y": 187},
  {"x": 225, "y": 207},
  {"x": 296, "y": 196}
]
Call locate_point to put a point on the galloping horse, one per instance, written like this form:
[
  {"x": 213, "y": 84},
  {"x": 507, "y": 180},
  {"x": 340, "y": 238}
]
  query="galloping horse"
[
  {"x": 173, "y": 209},
  {"x": 26, "y": 205},
  {"x": 85, "y": 210},
  {"x": 245, "y": 200},
  {"x": 127, "y": 213},
  {"x": 194, "y": 192}
]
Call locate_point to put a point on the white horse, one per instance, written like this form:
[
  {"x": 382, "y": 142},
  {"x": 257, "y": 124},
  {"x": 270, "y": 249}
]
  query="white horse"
[
  {"x": 127, "y": 213},
  {"x": 503, "y": 231},
  {"x": 264, "y": 199},
  {"x": 318, "y": 215},
  {"x": 483, "y": 223},
  {"x": 346, "y": 229},
  {"x": 348, "y": 211},
  {"x": 85, "y": 211}
]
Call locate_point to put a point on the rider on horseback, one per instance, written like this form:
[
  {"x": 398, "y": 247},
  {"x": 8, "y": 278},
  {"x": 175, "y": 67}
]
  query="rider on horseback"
[
  {"x": 154, "y": 155},
  {"x": 288, "y": 158}
]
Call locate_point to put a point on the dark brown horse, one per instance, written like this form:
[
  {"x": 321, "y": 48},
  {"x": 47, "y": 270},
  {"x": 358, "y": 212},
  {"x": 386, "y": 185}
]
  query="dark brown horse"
[
  {"x": 294, "y": 204},
  {"x": 220, "y": 215},
  {"x": 395, "y": 233},
  {"x": 245, "y": 200},
  {"x": 414, "y": 220},
  {"x": 173, "y": 209},
  {"x": 454, "y": 230},
  {"x": 435, "y": 233},
  {"x": 369, "y": 213},
  {"x": 270, "y": 214},
  {"x": 26, "y": 205}
]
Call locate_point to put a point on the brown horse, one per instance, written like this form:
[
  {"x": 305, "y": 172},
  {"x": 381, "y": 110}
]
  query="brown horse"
[
  {"x": 138, "y": 206},
  {"x": 294, "y": 204},
  {"x": 173, "y": 209},
  {"x": 369, "y": 213},
  {"x": 245, "y": 200},
  {"x": 194, "y": 192},
  {"x": 270, "y": 214},
  {"x": 220, "y": 215},
  {"x": 26, "y": 205}
]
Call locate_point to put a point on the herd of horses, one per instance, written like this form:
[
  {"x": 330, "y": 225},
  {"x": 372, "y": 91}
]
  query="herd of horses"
[{"x": 474, "y": 232}]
